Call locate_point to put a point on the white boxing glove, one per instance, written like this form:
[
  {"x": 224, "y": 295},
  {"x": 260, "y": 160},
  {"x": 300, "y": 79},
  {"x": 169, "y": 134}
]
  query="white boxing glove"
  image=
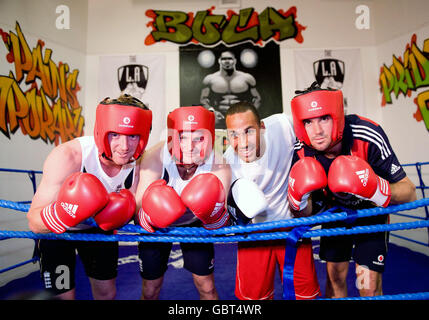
[{"x": 245, "y": 201}]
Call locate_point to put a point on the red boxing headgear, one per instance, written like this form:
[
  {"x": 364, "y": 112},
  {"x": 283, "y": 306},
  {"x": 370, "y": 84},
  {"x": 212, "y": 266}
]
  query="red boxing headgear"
[
  {"x": 122, "y": 118},
  {"x": 318, "y": 103},
  {"x": 190, "y": 119}
]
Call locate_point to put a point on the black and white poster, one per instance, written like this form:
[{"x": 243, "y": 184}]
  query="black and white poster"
[
  {"x": 220, "y": 76},
  {"x": 337, "y": 69},
  {"x": 141, "y": 76}
]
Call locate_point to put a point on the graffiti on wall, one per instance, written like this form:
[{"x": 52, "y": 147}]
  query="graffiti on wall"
[
  {"x": 407, "y": 74},
  {"x": 49, "y": 108},
  {"x": 209, "y": 29}
]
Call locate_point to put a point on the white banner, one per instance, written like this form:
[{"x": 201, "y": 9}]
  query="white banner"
[
  {"x": 143, "y": 77},
  {"x": 337, "y": 69}
]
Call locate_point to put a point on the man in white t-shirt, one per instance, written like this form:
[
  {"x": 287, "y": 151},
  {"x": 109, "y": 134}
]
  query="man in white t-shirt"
[{"x": 261, "y": 151}]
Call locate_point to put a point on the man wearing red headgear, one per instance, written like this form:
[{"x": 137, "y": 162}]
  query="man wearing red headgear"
[
  {"x": 344, "y": 161},
  {"x": 95, "y": 178},
  {"x": 183, "y": 182}
]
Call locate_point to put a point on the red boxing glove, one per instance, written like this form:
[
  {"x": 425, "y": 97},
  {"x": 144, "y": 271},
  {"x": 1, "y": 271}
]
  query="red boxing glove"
[
  {"x": 118, "y": 212},
  {"x": 204, "y": 195},
  {"x": 351, "y": 174},
  {"x": 307, "y": 175},
  {"x": 161, "y": 206},
  {"x": 80, "y": 197}
]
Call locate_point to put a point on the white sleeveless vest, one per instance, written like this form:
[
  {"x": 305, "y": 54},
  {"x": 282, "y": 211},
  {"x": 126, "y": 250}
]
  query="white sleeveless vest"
[
  {"x": 172, "y": 176},
  {"x": 91, "y": 164}
]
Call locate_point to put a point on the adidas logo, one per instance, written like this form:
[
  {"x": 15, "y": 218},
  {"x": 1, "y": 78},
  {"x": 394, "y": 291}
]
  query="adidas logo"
[
  {"x": 394, "y": 169},
  {"x": 291, "y": 182},
  {"x": 70, "y": 209},
  {"x": 363, "y": 176},
  {"x": 217, "y": 208}
]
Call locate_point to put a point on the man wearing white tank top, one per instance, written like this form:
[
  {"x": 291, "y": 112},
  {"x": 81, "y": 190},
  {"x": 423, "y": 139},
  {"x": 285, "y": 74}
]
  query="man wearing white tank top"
[
  {"x": 183, "y": 182},
  {"x": 90, "y": 177},
  {"x": 261, "y": 151}
]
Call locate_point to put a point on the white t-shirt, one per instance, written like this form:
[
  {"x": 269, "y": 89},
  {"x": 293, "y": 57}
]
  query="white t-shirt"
[
  {"x": 271, "y": 171},
  {"x": 172, "y": 176}
]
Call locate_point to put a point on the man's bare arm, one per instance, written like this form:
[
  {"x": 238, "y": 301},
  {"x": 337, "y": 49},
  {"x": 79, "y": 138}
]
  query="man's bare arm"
[{"x": 64, "y": 160}]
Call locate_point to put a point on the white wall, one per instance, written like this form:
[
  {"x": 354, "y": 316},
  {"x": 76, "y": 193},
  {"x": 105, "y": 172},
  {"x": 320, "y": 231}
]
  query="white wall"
[
  {"x": 324, "y": 28},
  {"x": 110, "y": 27},
  {"x": 37, "y": 20},
  {"x": 395, "y": 25}
]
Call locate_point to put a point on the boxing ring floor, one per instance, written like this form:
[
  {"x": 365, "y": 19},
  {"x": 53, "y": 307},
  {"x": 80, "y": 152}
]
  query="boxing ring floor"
[{"x": 406, "y": 272}]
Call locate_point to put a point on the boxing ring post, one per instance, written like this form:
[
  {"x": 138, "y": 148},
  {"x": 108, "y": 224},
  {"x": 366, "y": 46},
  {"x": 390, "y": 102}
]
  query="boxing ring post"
[
  {"x": 32, "y": 175},
  {"x": 422, "y": 188}
]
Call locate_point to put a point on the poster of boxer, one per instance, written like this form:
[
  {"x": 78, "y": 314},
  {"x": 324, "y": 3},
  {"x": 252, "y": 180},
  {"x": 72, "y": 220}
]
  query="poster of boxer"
[
  {"x": 220, "y": 76},
  {"x": 337, "y": 69},
  {"x": 143, "y": 77}
]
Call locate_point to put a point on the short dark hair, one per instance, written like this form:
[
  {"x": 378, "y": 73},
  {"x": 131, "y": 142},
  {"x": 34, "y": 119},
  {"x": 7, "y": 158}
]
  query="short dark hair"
[
  {"x": 241, "y": 107},
  {"x": 125, "y": 100}
]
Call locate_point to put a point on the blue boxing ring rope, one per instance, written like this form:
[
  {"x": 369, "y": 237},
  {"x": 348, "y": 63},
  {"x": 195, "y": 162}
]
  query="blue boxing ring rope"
[{"x": 302, "y": 228}]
